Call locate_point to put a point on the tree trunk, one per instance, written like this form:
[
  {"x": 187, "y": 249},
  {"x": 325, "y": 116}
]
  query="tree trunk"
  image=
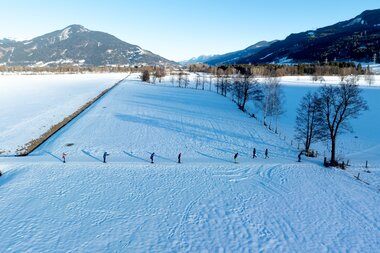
[
  {"x": 276, "y": 123},
  {"x": 332, "y": 160},
  {"x": 307, "y": 144}
]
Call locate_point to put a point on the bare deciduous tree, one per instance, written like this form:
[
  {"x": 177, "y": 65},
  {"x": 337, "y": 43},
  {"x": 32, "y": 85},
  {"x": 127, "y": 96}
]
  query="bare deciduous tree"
[
  {"x": 225, "y": 85},
  {"x": 245, "y": 88},
  {"x": 307, "y": 130},
  {"x": 197, "y": 81},
  {"x": 203, "y": 80},
  {"x": 369, "y": 78},
  {"x": 159, "y": 73},
  {"x": 219, "y": 77},
  {"x": 180, "y": 78},
  {"x": 186, "y": 80},
  {"x": 338, "y": 105},
  {"x": 272, "y": 102}
]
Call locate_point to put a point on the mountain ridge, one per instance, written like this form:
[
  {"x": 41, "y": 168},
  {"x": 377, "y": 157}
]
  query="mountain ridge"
[
  {"x": 76, "y": 45},
  {"x": 231, "y": 57},
  {"x": 356, "y": 39}
]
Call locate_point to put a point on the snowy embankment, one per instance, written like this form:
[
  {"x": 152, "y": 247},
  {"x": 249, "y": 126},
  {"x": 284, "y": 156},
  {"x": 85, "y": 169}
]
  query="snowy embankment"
[
  {"x": 207, "y": 203},
  {"x": 30, "y": 105}
]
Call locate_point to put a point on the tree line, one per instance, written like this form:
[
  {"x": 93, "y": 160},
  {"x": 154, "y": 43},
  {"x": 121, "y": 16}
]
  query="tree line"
[
  {"x": 320, "y": 69},
  {"x": 80, "y": 69}
]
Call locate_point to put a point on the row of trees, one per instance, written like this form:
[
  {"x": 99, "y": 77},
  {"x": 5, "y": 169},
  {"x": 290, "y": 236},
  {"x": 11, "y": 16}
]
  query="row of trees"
[
  {"x": 331, "y": 68},
  {"x": 159, "y": 71},
  {"x": 67, "y": 69},
  {"x": 243, "y": 86},
  {"x": 151, "y": 74},
  {"x": 326, "y": 113}
]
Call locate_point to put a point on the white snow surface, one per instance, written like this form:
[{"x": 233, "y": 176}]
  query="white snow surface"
[
  {"x": 31, "y": 104},
  {"x": 206, "y": 204}
]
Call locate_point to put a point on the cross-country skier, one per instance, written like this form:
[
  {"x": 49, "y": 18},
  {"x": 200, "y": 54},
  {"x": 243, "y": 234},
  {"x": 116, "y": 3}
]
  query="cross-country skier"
[
  {"x": 266, "y": 153},
  {"x": 254, "y": 153},
  {"x": 105, "y": 154},
  {"x": 179, "y": 157},
  {"x": 64, "y": 157},
  {"x": 151, "y": 157},
  {"x": 235, "y": 157},
  {"x": 299, "y": 156}
]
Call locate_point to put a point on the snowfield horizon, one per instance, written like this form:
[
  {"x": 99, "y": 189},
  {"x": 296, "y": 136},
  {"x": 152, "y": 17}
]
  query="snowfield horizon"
[{"x": 208, "y": 202}]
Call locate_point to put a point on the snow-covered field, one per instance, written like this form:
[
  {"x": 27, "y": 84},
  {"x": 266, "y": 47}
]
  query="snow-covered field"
[
  {"x": 358, "y": 146},
  {"x": 31, "y": 104},
  {"x": 123, "y": 207},
  {"x": 308, "y": 80},
  {"x": 207, "y": 203}
]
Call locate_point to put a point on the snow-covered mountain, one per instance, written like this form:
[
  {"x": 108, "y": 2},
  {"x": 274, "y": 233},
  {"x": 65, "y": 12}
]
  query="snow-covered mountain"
[
  {"x": 199, "y": 59},
  {"x": 356, "y": 39},
  {"x": 76, "y": 44},
  {"x": 229, "y": 58}
]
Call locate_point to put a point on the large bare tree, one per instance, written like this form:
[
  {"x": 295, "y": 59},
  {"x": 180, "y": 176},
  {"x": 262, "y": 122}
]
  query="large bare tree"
[{"x": 339, "y": 104}]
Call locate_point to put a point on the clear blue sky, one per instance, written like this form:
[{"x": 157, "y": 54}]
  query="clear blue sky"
[{"x": 179, "y": 29}]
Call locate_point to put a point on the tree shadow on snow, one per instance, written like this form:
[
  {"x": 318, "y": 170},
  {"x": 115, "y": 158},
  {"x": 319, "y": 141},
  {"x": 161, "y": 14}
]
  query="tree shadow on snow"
[
  {"x": 213, "y": 157},
  {"x": 54, "y": 156},
  {"x": 163, "y": 158},
  {"x": 232, "y": 152},
  {"x": 193, "y": 131},
  {"x": 136, "y": 157},
  {"x": 89, "y": 154},
  {"x": 9, "y": 176}
]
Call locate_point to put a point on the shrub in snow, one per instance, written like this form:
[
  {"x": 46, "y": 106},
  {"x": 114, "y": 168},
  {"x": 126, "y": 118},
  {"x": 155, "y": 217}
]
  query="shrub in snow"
[{"x": 145, "y": 77}]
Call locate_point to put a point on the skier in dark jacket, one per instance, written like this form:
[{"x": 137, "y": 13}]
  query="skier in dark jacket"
[
  {"x": 266, "y": 153},
  {"x": 151, "y": 157},
  {"x": 235, "y": 157},
  {"x": 254, "y": 153},
  {"x": 105, "y": 154},
  {"x": 299, "y": 156},
  {"x": 179, "y": 157}
]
